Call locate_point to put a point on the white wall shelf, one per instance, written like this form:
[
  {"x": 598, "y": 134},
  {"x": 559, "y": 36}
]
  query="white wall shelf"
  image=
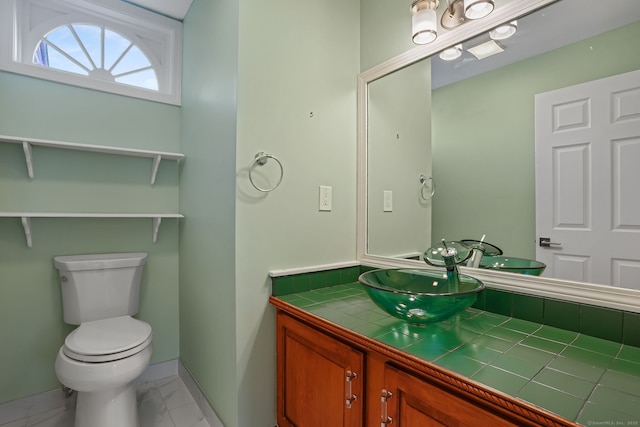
[
  {"x": 28, "y": 143},
  {"x": 26, "y": 219}
]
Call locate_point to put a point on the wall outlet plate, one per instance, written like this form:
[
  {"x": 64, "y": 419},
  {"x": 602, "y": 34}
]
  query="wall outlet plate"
[{"x": 325, "y": 198}]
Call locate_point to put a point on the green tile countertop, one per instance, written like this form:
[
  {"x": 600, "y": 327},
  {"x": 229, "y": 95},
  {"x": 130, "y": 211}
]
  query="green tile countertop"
[{"x": 584, "y": 379}]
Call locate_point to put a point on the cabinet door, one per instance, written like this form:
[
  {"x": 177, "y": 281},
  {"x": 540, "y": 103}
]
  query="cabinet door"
[
  {"x": 319, "y": 378},
  {"x": 409, "y": 401}
]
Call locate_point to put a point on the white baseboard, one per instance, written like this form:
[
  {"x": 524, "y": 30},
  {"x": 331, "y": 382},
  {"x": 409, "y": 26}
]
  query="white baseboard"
[
  {"x": 199, "y": 396},
  {"x": 158, "y": 371}
]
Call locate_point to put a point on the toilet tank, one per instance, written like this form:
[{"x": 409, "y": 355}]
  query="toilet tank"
[{"x": 100, "y": 286}]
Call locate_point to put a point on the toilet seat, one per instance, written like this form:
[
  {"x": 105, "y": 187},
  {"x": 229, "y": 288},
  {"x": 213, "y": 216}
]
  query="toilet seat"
[{"x": 107, "y": 340}]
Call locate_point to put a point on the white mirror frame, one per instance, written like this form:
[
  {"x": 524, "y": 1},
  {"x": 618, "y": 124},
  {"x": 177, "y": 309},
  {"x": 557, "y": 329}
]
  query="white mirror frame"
[{"x": 586, "y": 293}]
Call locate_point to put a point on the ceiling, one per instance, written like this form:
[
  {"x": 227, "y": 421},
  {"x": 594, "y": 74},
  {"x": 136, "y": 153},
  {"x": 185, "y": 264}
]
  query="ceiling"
[
  {"x": 557, "y": 25},
  {"x": 176, "y": 9},
  {"x": 554, "y": 26}
]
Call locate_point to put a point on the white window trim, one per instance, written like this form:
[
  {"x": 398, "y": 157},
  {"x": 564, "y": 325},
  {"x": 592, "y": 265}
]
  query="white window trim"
[{"x": 161, "y": 35}]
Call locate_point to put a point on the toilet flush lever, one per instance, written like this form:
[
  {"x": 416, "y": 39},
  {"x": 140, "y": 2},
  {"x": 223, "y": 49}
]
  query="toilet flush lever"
[
  {"x": 63, "y": 279},
  {"x": 545, "y": 242}
]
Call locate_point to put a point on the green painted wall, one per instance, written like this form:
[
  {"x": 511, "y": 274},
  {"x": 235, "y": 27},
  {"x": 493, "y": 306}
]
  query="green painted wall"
[
  {"x": 247, "y": 96},
  {"x": 31, "y": 325},
  {"x": 296, "y": 100},
  {"x": 483, "y": 139},
  {"x": 385, "y": 31},
  {"x": 207, "y": 199},
  {"x": 398, "y": 152},
  {"x": 232, "y": 235}
]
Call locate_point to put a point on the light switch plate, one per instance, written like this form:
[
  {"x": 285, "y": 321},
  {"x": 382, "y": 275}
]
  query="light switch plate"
[{"x": 387, "y": 204}]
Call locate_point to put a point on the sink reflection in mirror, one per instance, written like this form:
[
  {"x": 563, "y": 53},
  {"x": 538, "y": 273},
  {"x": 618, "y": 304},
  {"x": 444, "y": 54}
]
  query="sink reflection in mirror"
[
  {"x": 513, "y": 265},
  {"x": 480, "y": 254}
]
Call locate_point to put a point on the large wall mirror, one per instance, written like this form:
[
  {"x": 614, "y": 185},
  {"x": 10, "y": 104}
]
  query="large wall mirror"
[{"x": 450, "y": 149}]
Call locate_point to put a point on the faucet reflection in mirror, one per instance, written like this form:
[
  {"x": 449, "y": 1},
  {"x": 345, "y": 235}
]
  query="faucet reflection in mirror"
[{"x": 479, "y": 254}]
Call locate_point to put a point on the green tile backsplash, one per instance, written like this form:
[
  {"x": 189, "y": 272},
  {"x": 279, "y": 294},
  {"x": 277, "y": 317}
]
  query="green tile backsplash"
[
  {"x": 561, "y": 314},
  {"x": 601, "y": 322},
  {"x": 631, "y": 329},
  {"x": 605, "y": 323},
  {"x": 285, "y": 285}
]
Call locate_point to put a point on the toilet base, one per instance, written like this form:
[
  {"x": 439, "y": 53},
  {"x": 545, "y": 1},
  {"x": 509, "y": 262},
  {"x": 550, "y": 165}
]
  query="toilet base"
[
  {"x": 106, "y": 391},
  {"x": 111, "y": 408}
]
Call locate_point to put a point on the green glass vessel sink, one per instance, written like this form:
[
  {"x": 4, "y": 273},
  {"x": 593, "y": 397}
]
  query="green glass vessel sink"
[
  {"x": 513, "y": 265},
  {"x": 419, "y": 295}
]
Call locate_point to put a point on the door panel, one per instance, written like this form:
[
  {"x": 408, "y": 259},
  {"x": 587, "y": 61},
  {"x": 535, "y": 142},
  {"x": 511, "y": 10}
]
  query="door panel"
[
  {"x": 571, "y": 186},
  {"x": 626, "y": 178},
  {"x": 587, "y": 176}
]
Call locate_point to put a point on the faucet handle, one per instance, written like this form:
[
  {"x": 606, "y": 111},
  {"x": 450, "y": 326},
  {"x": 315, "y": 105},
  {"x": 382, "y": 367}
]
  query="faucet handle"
[
  {"x": 449, "y": 256},
  {"x": 448, "y": 253}
]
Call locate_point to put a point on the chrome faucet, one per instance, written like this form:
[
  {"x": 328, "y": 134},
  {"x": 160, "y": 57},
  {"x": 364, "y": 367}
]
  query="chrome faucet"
[
  {"x": 449, "y": 257},
  {"x": 451, "y": 264}
]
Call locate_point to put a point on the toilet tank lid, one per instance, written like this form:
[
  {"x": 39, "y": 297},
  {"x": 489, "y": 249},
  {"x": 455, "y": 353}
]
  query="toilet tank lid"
[{"x": 99, "y": 261}]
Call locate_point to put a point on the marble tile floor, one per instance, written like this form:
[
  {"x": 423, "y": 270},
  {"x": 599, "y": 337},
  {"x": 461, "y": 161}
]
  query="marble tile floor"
[{"x": 162, "y": 403}]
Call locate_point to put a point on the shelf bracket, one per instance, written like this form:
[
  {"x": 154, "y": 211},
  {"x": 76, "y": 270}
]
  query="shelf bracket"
[
  {"x": 154, "y": 168},
  {"x": 156, "y": 226},
  {"x": 26, "y": 223},
  {"x": 28, "y": 156}
]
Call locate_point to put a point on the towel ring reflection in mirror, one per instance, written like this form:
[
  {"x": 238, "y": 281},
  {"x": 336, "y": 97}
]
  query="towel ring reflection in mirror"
[
  {"x": 260, "y": 159},
  {"x": 427, "y": 193}
]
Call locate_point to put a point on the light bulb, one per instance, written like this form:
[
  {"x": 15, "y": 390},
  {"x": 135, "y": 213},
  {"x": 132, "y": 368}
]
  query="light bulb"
[
  {"x": 424, "y": 26},
  {"x": 504, "y": 31},
  {"x": 476, "y": 9},
  {"x": 451, "y": 53}
]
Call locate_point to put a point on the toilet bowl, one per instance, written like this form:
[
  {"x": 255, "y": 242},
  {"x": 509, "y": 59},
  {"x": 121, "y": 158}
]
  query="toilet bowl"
[
  {"x": 100, "y": 360},
  {"x": 109, "y": 349}
]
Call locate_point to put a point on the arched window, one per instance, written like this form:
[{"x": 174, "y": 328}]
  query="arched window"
[
  {"x": 97, "y": 52},
  {"x": 117, "y": 48}
]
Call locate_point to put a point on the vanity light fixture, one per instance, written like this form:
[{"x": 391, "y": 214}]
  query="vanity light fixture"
[
  {"x": 504, "y": 31},
  {"x": 453, "y": 15},
  {"x": 476, "y": 9},
  {"x": 451, "y": 53},
  {"x": 460, "y": 11},
  {"x": 424, "y": 21}
]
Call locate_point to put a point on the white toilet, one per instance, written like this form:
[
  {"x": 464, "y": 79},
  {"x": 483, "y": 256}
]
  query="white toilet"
[{"x": 103, "y": 356}]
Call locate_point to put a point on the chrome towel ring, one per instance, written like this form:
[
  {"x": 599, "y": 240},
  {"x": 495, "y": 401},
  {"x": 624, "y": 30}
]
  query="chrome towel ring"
[
  {"x": 260, "y": 159},
  {"x": 425, "y": 186}
]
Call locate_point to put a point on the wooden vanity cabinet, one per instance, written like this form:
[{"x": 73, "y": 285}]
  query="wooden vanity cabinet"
[
  {"x": 331, "y": 377},
  {"x": 319, "y": 378}
]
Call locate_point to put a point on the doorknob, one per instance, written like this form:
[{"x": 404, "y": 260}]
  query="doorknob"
[{"x": 545, "y": 242}]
